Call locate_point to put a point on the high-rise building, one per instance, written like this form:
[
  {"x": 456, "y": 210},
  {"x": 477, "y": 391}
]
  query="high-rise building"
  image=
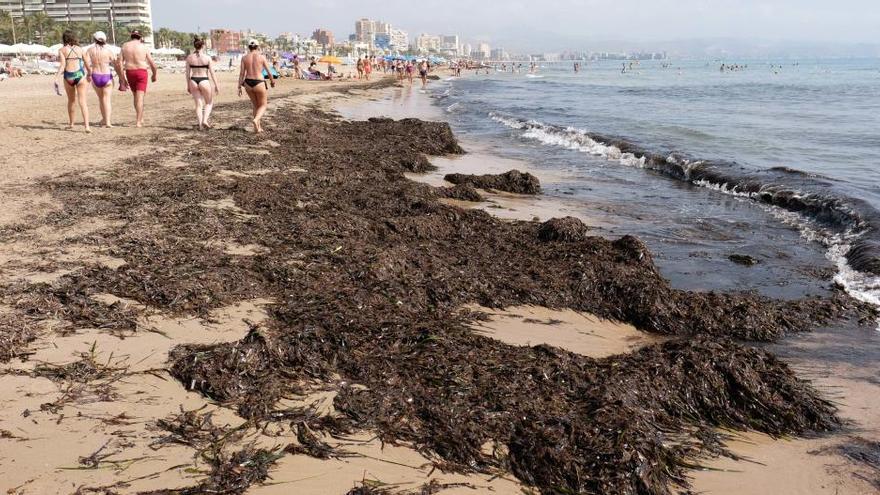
[
  {"x": 399, "y": 39},
  {"x": 324, "y": 37},
  {"x": 428, "y": 43},
  {"x": 483, "y": 51},
  {"x": 226, "y": 40},
  {"x": 119, "y": 12},
  {"x": 365, "y": 30},
  {"x": 382, "y": 28},
  {"x": 499, "y": 54},
  {"x": 450, "y": 44}
]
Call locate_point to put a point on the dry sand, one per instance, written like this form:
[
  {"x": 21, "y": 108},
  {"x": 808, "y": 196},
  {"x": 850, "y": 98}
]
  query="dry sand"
[
  {"x": 60, "y": 437},
  {"x": 57, "y": 438}
]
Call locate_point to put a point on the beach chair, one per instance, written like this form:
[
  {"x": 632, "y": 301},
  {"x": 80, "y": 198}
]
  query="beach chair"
[{"x": 46, "y": 67}]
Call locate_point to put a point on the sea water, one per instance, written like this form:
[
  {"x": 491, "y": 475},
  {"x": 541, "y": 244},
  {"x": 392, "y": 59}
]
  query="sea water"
[{"x": 776, "y": 160}]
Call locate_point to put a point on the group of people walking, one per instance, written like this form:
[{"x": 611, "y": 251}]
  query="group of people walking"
[{"x": 135, "y": 68}]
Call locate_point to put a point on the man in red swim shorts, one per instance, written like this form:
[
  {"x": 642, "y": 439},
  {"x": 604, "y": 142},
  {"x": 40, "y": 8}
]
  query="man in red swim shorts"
[{"x": 135, "y": 59}]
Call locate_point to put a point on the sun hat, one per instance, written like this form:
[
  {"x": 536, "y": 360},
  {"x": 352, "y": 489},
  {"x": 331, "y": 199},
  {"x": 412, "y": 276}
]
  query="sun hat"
[
  {"x": 100, "y": 36},
  {"x": 253, "y": 42}
]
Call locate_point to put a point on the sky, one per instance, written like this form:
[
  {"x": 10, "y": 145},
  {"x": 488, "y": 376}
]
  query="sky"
[{"x": 546, "y": 24}]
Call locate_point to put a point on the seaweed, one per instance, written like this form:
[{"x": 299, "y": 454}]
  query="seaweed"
[
  {"x": 370, "y": 273},
  {"x": 462, "y": 192},
  {"x": 567, "y": 229},
  {"x": 512, "y": 181},
  {"x": 16, "y": 332}
]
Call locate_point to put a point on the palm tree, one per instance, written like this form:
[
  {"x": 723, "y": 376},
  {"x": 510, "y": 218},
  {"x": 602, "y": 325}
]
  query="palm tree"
[
  {"x": 162, "y": 37},
  {"x": 40, "y": 23},
  {"x": 6, "y": 27}
]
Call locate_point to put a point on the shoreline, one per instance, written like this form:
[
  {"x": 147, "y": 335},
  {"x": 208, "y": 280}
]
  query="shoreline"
[
  {"x": 808, "y": 464},
  {"x": 240, "y": 215}
]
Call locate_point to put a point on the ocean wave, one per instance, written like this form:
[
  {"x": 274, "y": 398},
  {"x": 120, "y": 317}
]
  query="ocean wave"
[{"x": 852, "y": 237}]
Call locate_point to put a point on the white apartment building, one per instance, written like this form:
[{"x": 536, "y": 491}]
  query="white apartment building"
[
  {"x": 428, "y": 43},
  {"x": 365, "y": 30},
  {"x": 399, "y": 39},
  {"x": 120, "y": 12}
]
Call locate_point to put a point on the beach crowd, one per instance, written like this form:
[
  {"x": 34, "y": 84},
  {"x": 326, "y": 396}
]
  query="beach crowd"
[{"x": 135, "y": 69}]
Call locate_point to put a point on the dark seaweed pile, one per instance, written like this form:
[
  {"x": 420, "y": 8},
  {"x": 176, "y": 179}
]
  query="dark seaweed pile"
[
  {"x": 370, "y": 273},
  {"x": 15, "y": 335},
  {"x": 462, "y": 192},
  {"x": 567, "y": 229},
  {"x": 513, "y": 181}
]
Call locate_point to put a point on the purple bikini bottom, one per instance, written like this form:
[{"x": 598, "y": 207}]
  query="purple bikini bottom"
[{"x": 102, "y": 80}]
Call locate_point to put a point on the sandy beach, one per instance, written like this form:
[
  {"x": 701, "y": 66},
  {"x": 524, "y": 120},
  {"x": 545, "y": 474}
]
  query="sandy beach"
[{"x": 192, "y": 312}]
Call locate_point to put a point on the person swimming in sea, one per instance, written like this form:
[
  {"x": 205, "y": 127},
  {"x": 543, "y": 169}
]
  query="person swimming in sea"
[
  {"x": 100, "y": 60},
  {"x": 250, "y": 79},
  {"x": 74, "y": 70}
]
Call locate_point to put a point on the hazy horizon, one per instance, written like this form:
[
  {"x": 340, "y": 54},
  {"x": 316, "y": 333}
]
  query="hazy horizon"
[{"x": 558, "y": 25}]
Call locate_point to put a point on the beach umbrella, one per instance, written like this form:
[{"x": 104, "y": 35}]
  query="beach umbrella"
[
  {"x": 5, "y": 49},
  {"x": 20, "y": 48},
  {"x": 37, "y": 49},
  {"x": 330, "y": 59},
  {"x": 55, "y": 48},
  {"x": 113, "y": 48}
]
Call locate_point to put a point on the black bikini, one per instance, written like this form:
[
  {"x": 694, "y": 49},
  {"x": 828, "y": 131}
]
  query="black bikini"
[
  {"x": 253, "y": 83},
  {"x": 198, "y": 80}
]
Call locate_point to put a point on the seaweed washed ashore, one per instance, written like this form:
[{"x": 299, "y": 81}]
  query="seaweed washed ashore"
[{"x": 370, "y": 273}]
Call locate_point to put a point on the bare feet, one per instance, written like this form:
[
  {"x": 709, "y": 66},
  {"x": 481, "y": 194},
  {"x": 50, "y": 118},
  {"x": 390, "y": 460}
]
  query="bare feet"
[
  {"x": 69, "y": 127},
  {"x": 88, "y": 131},
  {"x": 257, "y": 127},
  {"x": 139, "y": 124}
]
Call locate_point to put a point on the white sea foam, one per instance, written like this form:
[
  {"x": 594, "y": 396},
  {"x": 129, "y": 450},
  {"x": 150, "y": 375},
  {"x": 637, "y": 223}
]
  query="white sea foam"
[
  {"x": 570, "y": 138},
  {"x": 861, "y": 286}
]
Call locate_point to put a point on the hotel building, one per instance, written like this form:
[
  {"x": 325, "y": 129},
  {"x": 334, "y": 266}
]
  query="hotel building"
[{"x": 119, "y": 12}]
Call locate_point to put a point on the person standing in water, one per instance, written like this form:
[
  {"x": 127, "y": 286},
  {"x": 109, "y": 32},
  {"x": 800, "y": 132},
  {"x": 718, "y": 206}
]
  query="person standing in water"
[
  {"x": 100, "y": 60},
  {"x": 75, "y": 72},
  {"x": 423, "y": 73},
  {"x": 135, "y": 59},
  {"x": 251, "y": 79},
  {"x": 201, "y": 82}
]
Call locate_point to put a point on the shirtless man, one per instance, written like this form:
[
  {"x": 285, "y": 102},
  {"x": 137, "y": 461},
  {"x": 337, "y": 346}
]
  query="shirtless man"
[
  {"x": 253, "y": 65},
  {"x": 135, "y": 59}
]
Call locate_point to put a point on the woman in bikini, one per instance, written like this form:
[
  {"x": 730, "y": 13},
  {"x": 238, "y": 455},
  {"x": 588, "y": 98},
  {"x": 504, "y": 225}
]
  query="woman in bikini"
[
  {"x": 423, "y": 73},
  {"x": 201, "y": 83},
  {"x": 74, "y": 69},
  {"x": 100, "y": 60},
  {"x": 251, "y": 80}
]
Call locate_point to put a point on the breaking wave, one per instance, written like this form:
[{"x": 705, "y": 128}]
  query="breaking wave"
[{"x": 849, "y": 228}]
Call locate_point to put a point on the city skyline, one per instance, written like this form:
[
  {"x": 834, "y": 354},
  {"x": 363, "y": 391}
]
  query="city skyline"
[{"x": 559, "y": 24}]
